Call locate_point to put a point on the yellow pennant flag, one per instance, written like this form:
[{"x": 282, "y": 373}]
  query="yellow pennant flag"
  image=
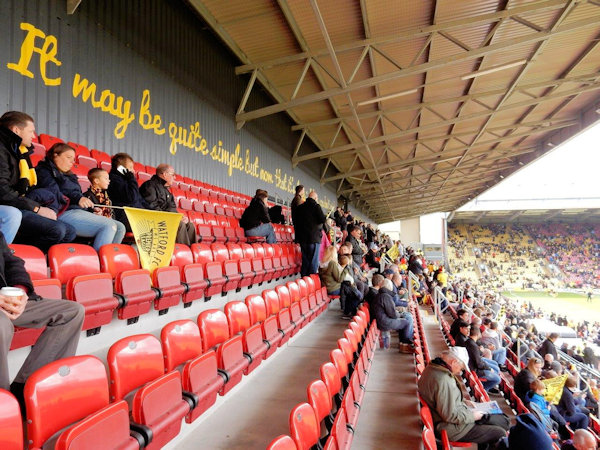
[
  {"x": 155, "y": 233},
  {"x": 554, "y": 389},
  {"x": 393, "y": 253}
]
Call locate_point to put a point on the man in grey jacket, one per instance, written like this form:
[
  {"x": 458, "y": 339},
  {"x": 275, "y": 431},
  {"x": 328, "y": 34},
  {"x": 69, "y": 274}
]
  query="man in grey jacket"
[{"x": 439, "y": 386}]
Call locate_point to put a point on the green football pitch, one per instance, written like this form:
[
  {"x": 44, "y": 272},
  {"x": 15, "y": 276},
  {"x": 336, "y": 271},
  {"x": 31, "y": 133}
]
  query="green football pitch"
[{"x": 574, "y": 306}]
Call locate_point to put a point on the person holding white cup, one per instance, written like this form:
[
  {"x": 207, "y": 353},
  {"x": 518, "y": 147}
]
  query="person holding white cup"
[{"x": 22, "y": 307}]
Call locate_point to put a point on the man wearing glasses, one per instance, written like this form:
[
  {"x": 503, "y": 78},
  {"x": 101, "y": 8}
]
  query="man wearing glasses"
[{"x": 156, "y": 193}]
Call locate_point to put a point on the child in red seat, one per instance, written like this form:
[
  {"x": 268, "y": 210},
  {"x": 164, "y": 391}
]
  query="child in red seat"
[{"x": 98, "y": 193}]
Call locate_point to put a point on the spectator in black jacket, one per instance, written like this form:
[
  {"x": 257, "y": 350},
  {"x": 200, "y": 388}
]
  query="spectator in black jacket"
[
  {"x": 256, "y": 221},
  {"x": 158, "y": 197},
  {"x": 58, "y": 183},
  {"x": 569, "y": 410},
  {"x": 549, "y": 347},
  {"x": 62, "y": 319},
  {"x": 39, "y": 226},
  {"x": 462, "y": 315},
  {"x": 354, "y": 239},
  {"x": 384, "y": 312},
  {"x": 485, "y": 368},
  {"x": 123, "y": 189},
  {"x": 309, "y": 233},
  {"x": 297, "y": 201}
]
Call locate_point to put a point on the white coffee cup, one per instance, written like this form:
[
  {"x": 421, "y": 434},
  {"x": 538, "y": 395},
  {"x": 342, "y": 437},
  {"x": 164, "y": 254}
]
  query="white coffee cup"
[{"x": 12, "y": 291}]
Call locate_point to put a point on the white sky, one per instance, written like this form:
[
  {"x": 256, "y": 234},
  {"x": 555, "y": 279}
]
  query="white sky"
[{"x": 566, "y": 177}]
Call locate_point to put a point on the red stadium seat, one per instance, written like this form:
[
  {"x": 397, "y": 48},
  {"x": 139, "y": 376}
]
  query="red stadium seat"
[
  {"x": 214, "y": 330},
  {"x": 192, "y": 274},
  {"x": 238, "y": 318},
  {"x": 48, "y": 141},
  {"x": 35, "y": 264},
  {"x": 102, "y": 158},
  {"x": 304, "y": 427},
  {"x": 213, "y": 269},
  {"x": 83, "y": 156},
  {"x": 64, "y": 392},
  {"x": 11, "y": 423},
  {"x": 133, "y": 283},
  {"x": 331, "y": 378},
  {"x": 77, "y": 266},
  {"x": 319, "y": 399},
  {"x": 168, "y": 280},
  {"x": 136, "y": 367},
  {"x": 230, "y": 267},
  {"x": 182, "y": 347},
  {"x": 244, "y": 265}
]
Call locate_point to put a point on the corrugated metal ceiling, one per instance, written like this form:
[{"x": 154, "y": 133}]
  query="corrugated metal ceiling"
[{"x": 383, "y": 88}]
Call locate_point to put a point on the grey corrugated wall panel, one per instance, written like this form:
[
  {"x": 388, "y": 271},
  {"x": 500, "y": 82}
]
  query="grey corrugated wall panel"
[{"x": 129, "y": 46}]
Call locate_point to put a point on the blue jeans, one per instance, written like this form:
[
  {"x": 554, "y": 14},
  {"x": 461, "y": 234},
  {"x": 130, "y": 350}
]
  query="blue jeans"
[
  {"x": 102, "y": 229},
  {"x": 10, "y": 220},
  {"x": 263, "y": 230},
  {"x": 310, "y": 259},
  {"x": 42, "y": 232},
  {"x": 491, "y": 376},
  {"x": 404, "y": 326},
  {"x": 499, "y": 355}
]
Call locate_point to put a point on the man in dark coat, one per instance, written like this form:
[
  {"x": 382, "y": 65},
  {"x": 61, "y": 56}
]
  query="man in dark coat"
[
  {"x": 354, "y": 239},
  {"x": 39, "y": 226},
  {"x": 308, "y": 233},
  {"x": 62, "y": 319},
  {"x": 297, "y": 201},
  {"x": 548, "y": 346},
  {"x": 158, "y": 197},
  {"x": 384, "y": 313},
  {"x": 256, "y": 221},
  {"x": 123, "y": 189}
]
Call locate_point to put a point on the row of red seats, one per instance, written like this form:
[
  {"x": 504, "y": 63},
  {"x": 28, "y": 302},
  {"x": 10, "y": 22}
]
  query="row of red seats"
[
  {"x": 113, "y": 280},
  {"x": 330, "y": 416},
  {"x": 155, "y": 383}
]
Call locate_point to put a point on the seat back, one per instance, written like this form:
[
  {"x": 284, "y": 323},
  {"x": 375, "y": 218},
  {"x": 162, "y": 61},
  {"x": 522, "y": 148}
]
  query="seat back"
[
  {"x": 331, "y": 378},
  {"x": 214, "y": 328},
  {"x": 61, "y": 393},
  {"x": 220, "y": 252},
  {"x": 269, "y": 252},
  {"x": 304, "y": 427},
  {"x": 238, "y": 317},
  {"x": 346, "y": 347},
  {"x": 271, "y": 301},
  {"x": 248, "y": 250},
  {"x": 303, "y": 288},
  {"x": 235, "y": 251},
  {"x": 310, "y": 284},
  {"x": 117, "y": 258},
  {"x": 294, "y": 291},
  {"x": 284, "y": 296},
  {"x": 35, "y": 260},
  {"x": 182, "y": 256},
  {"x": 202, "y": 253},
  {"x": 181, "y": 342},
  {"x": 259, "y": 250},
  {"x": 132, "y": 362},
  {"x": 339, "y": 360},
  {"x": 426, "y": 418},
  {"x": 319, "y": 398},
  {"x": 70, "y": 260},
  {"x": 429, "y": 439},
  {"x": 256, "y": 308},
  {"x": 11, "y": 423}
]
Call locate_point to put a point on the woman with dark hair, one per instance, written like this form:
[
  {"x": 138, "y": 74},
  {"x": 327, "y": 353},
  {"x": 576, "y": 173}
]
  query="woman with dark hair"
[
  {"x": 567, "y": 407},
  {"x": 123, "y": 189},
  {"x": 64, "y": 196}
]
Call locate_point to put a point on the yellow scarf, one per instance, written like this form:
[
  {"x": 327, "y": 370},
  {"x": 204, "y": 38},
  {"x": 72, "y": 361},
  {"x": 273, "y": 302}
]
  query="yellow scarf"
[{"x": 26, "y": 172}]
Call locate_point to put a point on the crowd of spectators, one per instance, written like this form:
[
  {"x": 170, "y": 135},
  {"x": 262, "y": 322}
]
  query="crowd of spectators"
[{"x": 526, "y": 256}]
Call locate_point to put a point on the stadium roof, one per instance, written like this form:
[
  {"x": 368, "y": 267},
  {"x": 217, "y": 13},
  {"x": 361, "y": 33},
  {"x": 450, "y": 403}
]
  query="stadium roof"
[
  {"x": 417, "y": 106},
  {"x": 580, "y": 215}
]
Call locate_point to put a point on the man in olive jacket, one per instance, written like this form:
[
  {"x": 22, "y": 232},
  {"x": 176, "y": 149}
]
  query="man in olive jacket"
[{"x": 439, "y": 387}]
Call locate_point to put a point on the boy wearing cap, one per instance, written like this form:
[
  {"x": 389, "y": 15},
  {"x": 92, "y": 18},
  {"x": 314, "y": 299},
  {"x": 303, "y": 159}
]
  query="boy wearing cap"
[{"x": 439, "y": 386}]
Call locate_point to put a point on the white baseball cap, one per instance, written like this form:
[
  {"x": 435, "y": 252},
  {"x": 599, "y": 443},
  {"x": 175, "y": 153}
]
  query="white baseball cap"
[{"x": 462, "y": 354}]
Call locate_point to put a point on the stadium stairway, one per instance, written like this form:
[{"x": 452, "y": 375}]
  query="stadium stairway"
[{"x": 255, "y": 414}]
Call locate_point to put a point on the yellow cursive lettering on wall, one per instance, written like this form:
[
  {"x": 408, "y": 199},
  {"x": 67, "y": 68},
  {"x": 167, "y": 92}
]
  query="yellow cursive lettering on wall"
[
  {"x": 146, "y": 121},
  {"x": 47, "y": 54},
  {"x": 108, "y": 102}
]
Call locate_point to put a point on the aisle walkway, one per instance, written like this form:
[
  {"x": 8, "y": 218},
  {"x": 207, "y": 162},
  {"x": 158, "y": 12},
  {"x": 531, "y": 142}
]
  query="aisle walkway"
[{"x": 251, "y": 416}]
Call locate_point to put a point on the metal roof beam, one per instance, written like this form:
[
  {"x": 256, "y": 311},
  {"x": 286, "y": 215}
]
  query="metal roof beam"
[
  {"x": 398, "y": 37},
  {"x": 419, "y": 68},
  {"x": 395, "y": 136}
]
